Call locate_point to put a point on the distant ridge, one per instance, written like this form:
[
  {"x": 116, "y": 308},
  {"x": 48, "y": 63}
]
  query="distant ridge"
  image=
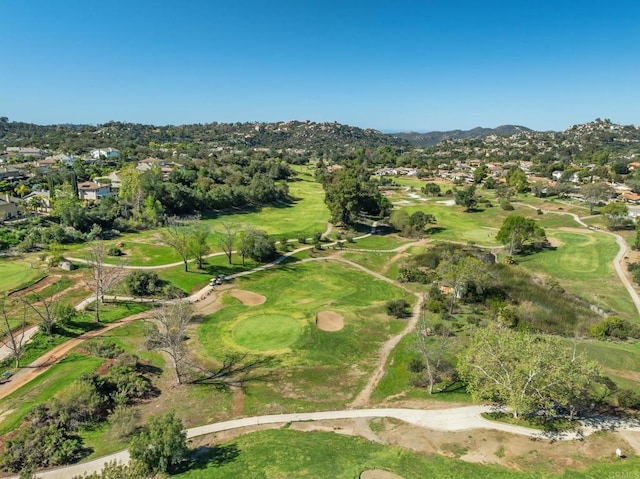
[{"x": 434, "y": 137}]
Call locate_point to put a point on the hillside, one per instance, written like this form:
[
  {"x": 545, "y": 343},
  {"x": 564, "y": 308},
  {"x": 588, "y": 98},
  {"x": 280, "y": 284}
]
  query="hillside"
[
  {"x": 432, "y": 138},
  {"x": 300, "y": 135}
]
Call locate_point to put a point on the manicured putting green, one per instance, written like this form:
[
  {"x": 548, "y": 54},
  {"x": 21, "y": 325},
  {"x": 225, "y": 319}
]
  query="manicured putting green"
[{"x": 266, "y": 332}]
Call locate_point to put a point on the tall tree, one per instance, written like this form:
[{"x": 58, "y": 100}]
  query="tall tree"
[
  {"x": 527, "y": 372},
  {"x": 594, "y": 193},
  {"x": 102, "y": 277},
  {"x": 178, "y": 236},
  {"x": 466, "y": 197},
  {"x": 461, "y": 274},
  {"x": 227, "y": 238},
  {"x": 432, "y": 352},
  {"x": 173, "y": 320},
  {"x": 198, "y": 243},
  {"x": 516, "y": 231}
]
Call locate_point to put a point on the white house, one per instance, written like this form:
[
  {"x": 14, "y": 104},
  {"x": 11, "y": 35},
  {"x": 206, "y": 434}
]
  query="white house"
[
  {"x": 108, "y": 153},
  {"x": 92, "y": 191}
]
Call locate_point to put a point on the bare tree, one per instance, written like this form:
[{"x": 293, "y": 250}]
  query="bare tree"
[
  {"x": 198, "y": 243},
  {"x": 15, "y": 337},
  {"x": 172, "y": 320},
  {"x": 227, "y": 238},
  {"x": 178, "y": 236},
  {"x": 103, "y": 276},
  {"x": 45, "y": 309}
]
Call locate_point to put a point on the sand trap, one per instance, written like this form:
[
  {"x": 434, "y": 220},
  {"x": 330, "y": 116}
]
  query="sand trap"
[
  {"x": 447, "y": 202},
  {"x": 379, "y": 474},
  {"x": 329, "y": 321},
  {"x": 247, "y": 297}
]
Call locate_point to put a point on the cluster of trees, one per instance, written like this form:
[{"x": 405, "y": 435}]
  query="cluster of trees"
[
  {"x": 411, "y": 226},
  {"x": 50, "y": 435}
]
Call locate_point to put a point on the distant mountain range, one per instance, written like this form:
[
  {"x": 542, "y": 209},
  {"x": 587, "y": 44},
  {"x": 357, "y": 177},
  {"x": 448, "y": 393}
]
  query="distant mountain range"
[{"x": 434, "y": 137}]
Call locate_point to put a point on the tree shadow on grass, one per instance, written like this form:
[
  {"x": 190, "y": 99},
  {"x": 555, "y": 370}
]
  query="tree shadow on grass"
[{"x": 216, "y": 456}]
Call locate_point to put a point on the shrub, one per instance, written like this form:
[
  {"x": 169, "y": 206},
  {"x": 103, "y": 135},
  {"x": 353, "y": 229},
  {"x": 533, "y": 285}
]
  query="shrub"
[
  {"x": 397, "y": 308},
  {"x": 416, "y": 365},
  {"x": 143, "y": 283},
  {"x": 65, "y": 313},
  {"x": 114, "y": 251},
  {"x": 614, "y": 327},
  {"x": 506, "y": 205},
  {"x": 103, "y": 348},
  {"x": 628, "y": 399},
  {"x": 123, "y": 422}
]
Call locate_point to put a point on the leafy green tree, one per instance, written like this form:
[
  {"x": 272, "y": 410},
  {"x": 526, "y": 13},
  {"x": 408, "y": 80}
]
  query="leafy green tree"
[
  {"x": 594, "y": 193},
  {"x": 516, "y": 231},
  {"x": 466, "y": 197},
  {"x": 480, "y": 173},
  {"x": 528, "y": 372},
  {"x": 348, "y": 192},
  {"x": 431, "y": 189},
  {"x": 143, "y": 283},
  {"x": 461, "y": 274},
  {"x": 257, "y": 245},
  {"x": 517, "y": 179},
  {"x": 397, "y": 308},
  {"x": 616, "y": 215},
  {"x": 161, "y": 446}
]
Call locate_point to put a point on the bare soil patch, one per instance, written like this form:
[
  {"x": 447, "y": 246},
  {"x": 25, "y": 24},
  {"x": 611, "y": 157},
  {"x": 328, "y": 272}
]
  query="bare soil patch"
[
  {"x": 379, "y": 474},
  {"x": 554, "y": 242},
  {"x": 37, "y": 286},
  {"x": 329, "y": 321},
  {"x": 497, "y": 447},
  {"x": 248, "y": 298}
]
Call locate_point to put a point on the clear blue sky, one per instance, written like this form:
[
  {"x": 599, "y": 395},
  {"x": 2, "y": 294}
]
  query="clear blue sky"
[{"x": 391, "y": 65}]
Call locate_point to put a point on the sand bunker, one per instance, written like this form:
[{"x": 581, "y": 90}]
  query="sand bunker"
[
  {"x": 329, "y": 321},
  {"x": 247, "y": 297},
  {"x": 379, "y": 474}
]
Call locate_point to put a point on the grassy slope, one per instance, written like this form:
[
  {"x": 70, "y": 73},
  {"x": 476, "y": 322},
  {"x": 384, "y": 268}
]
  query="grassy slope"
[{"x": 293, "y": 454}]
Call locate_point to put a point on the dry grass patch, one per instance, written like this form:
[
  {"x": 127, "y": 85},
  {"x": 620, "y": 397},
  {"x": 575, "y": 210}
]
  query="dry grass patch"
[{"x": 379, "y": 474}]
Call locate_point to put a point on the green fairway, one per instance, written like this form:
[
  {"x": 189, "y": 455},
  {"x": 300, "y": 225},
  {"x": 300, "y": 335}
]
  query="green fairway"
[
  {"x": 266, "y": 332},
  {"x": 305, "y": 215},
  {"x": 582, "y": 263},
  {"x": 311, "y": 369},
  {"x": 17, "y": 273}
]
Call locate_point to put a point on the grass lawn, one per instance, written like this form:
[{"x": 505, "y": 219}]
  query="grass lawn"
[
  {"x": 582, "y": 264},
  {"x": 621, "y": 360},
  {"x": 316, "y": 368},
  {"x": 16, "y": 273},
  {"x": 397, "y": 380},
  {"x": 305, "y": 215},
  {"x": 15, "y": 407},
  {"x": 378, "y": 242},
  {"x": 283, "y": 453}
]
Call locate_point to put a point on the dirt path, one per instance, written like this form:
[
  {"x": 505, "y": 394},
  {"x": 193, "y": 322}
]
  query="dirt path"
[{"x": 57, "y": 354}]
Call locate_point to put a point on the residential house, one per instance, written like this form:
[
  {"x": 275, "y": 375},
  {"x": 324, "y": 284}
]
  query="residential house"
[
  {"x": 40, "y": 198},
  {"x": 18, "y": 151},
  {"x": 166, "y": 167},
  {"x": 92, "y": 191},
  {"x": 108, "y": 153},
  {"x": 62, "y": 158},
  {"x": 9, "y": 208}
]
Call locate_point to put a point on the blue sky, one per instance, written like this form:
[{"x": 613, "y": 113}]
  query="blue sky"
[{"x": 390, "y": 65}]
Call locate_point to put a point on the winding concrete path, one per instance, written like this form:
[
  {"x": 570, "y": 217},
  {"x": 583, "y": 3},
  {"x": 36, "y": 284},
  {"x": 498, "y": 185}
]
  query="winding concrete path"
[{"x": 447, "y": 420}]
